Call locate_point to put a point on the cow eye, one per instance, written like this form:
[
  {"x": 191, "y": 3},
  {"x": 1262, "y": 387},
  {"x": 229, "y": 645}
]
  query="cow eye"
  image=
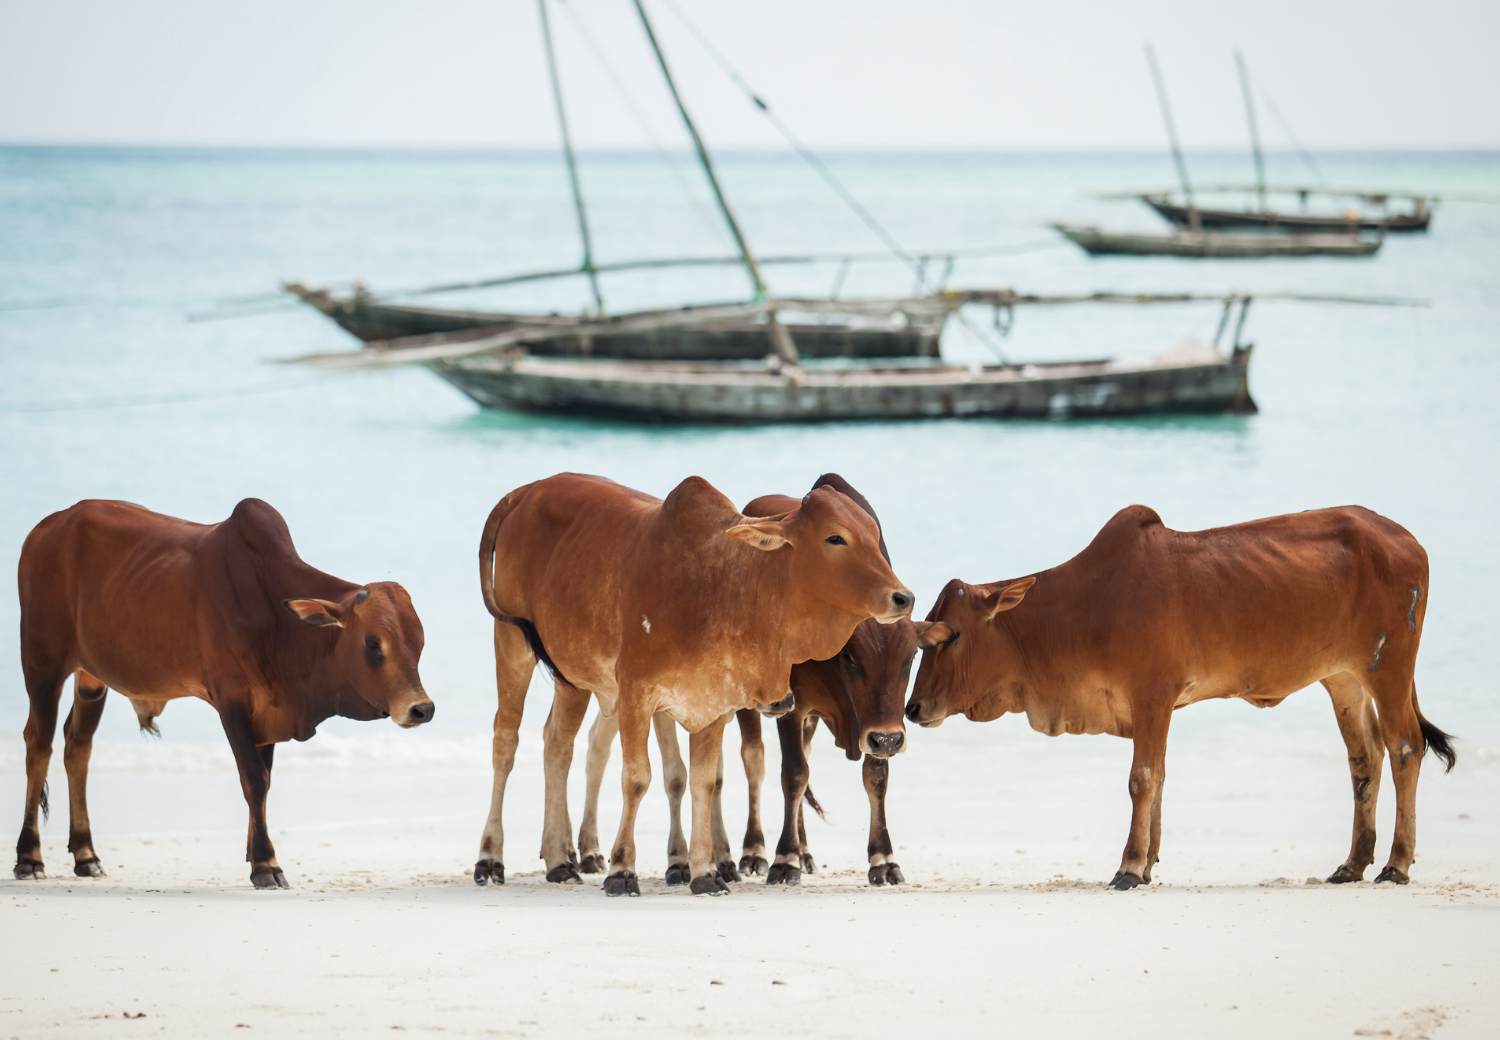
[
  {"x": 835, "y": 539},
  {"x": 373, "y": 653}
]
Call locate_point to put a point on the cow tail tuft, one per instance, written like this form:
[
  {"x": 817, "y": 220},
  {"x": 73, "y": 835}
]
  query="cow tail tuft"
[
  {"x": 1439, "y": 742},
  {"x": 812, "y": 803}
]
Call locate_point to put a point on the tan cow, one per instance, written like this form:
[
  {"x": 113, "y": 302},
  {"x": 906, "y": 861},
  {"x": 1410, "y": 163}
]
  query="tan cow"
[
  {"x": 680, "y": 605},
  {"x": 1147, "y": 620}
]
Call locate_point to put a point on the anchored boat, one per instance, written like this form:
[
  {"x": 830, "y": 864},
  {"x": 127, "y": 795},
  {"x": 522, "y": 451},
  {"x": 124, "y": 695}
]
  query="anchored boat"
[{"x": 1223, "y": 244}]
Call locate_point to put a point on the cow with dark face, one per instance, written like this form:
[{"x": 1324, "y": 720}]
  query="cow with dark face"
[
  {"x": 158, "y": 608},
  {"x": 858, "y": 694}
]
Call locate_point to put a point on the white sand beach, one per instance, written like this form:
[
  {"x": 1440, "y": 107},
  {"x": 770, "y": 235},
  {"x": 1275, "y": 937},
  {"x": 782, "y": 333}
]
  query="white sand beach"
[{"x": 1005, "y": 926}]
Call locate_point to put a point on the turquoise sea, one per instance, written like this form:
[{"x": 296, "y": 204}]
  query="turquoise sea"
[{"x": 108, "y": 389}]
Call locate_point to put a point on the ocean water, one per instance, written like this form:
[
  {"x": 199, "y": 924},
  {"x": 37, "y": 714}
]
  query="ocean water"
[{"x": 108, "y": 389}]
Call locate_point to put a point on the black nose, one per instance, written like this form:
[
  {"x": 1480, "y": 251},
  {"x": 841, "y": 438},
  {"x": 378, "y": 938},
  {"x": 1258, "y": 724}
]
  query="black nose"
[
  {"x": 903, "y": 599},
  {"x": 420, "y": 713},
  {"x": 912, "y": 711},
  {"x": 885, "y": 743}
]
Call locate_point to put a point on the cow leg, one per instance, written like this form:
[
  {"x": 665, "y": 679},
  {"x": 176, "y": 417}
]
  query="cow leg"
[
  {"x": 787, "y": 870},
  {"x": 1405, "y": 746},
  {"x": 569, "y": 704},
  {"x": 635, "y": 779},
  {"x": 514, "y": 663},
  {"x": 753, "y": 755},
  {"x": 1354, "y": 710},
  {"x": 255, "y": 781},
  {"x": 674, "y": 776},
  {"x": 44, "y": 690},
  {"x": 724, "y": 863},
  {"x": 809, "y": 727},
  {"x": 883, "y": 870},
  {"x": 706, "y": 750},
  {"x": 601, "y": 742},
  {"x": 1150, "y": 720},
  {"x": 78, "y": 743}
]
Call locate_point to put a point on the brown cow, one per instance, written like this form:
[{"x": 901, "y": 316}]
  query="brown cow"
[
  {"x": 859, "y": 694},
  {"x": 159, "y": 608},
  {"x": 679, "y": 605},
  {"x": 1147, "y": 620}
]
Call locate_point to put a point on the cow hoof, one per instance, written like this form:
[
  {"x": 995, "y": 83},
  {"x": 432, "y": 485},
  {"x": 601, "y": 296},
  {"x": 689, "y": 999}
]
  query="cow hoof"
[
  {"x": 753, "y": 865},
  {"x": 708, "y": 885},
  {"x": 809, "y": 865},
  {"x": 29, "y": 870},
  {"x": 88, "y": 868},
  {"x": 678, "y": 874},
  {"x": 593, "y": 863},
  {"x": 622, "y": 884},
  {"x": 783, "y": 874},
  {"x": 564, "y": 873},
  {"x": 487, "y": 870},
  {"x": 727, "y": 871},
  {"x": 1345, "y": 875},
  {"x": 1124, "y": 881},
  {"x": 1393, "y": 875},
  {"x": 273, "y": 878},
  {"x": 886, "y": 874}
]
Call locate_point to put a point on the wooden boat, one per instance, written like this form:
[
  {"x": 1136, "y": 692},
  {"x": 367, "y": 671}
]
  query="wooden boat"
[
  {"x": 373, "y": 321},
  {"x": 1183, "y": 214},
  {"x": 503, "y": 369},
  {"x": 1193, "y": 380},
  {"x": 1223, "y": 244}
]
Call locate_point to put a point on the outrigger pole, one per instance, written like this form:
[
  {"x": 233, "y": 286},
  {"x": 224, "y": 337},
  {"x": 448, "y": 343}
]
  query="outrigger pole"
[
  {"x": 1166, "y": 115},
  {"x": 567, "y": 139},
  {"x": 781, "y": 341},
  {"x": 1260, "y": 159}
]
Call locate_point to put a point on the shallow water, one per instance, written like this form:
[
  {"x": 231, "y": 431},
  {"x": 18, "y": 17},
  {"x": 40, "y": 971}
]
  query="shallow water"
[{"x": 107, "y": 390}]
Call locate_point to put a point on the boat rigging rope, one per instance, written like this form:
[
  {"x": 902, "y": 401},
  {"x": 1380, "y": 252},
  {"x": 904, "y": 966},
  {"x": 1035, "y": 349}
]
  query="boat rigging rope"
[
  {"x": 639, "y": 115},
  {"x": 917, "y": 264},
  {"x": 1286, "y": 128}
]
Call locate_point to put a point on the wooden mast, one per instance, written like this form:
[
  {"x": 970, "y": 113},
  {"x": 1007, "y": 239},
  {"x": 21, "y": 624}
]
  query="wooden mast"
[
  {"x": 1166, "y": 115},
  {"x": 1260, "y": 159},
  {"x": 781, "y": 341},
  {"x": 567, "y": 139}
]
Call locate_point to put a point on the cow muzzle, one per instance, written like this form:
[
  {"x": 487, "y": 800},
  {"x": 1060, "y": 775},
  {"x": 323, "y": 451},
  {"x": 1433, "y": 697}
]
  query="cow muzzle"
[
  {"x": 885, "y": 743},
  {"x": 922, "y": 715},
  {"x": 416, "y": 713},
  {"x": 898, "y": 607},
  {"x": 776, "y": 709}
]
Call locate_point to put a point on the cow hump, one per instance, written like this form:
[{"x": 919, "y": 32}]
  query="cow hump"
[{"x": 261, "y": 526}]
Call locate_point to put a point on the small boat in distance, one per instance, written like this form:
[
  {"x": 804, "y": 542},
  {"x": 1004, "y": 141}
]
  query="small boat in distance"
[
  {"x": 1223, "y": 244},
  {"x": 1198, "y": 235},
  {"x": 1373, "y": 217}
]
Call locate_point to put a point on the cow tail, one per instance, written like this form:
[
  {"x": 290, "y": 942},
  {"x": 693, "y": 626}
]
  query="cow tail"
[
  {"x": 812, "y": 803},
  {"x": 46, "y": 803},
  {"x": 487, "y": 542},
  {"x": 1438, "y": 742}
]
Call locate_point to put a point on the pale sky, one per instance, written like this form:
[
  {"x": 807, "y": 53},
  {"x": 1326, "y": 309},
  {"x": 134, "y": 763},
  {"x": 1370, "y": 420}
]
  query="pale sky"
[{"x": 886, "y": 74}]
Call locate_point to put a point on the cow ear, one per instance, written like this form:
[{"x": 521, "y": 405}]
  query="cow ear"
[
  {"x": 932, "y": 634},
  {"x": 1009, "y": 597},
  {"x": 319, "y": 612},
  {"x": 767, "y": 535}
]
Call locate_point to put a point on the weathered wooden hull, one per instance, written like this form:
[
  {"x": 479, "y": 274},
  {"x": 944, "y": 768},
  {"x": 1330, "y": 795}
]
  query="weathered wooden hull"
[
  {"x": 1218, "y": 244},
  {"x": 1201, "y": 381},
  {"x": 1272, "y": 221},
  {"x": 376, "y": 322}
]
